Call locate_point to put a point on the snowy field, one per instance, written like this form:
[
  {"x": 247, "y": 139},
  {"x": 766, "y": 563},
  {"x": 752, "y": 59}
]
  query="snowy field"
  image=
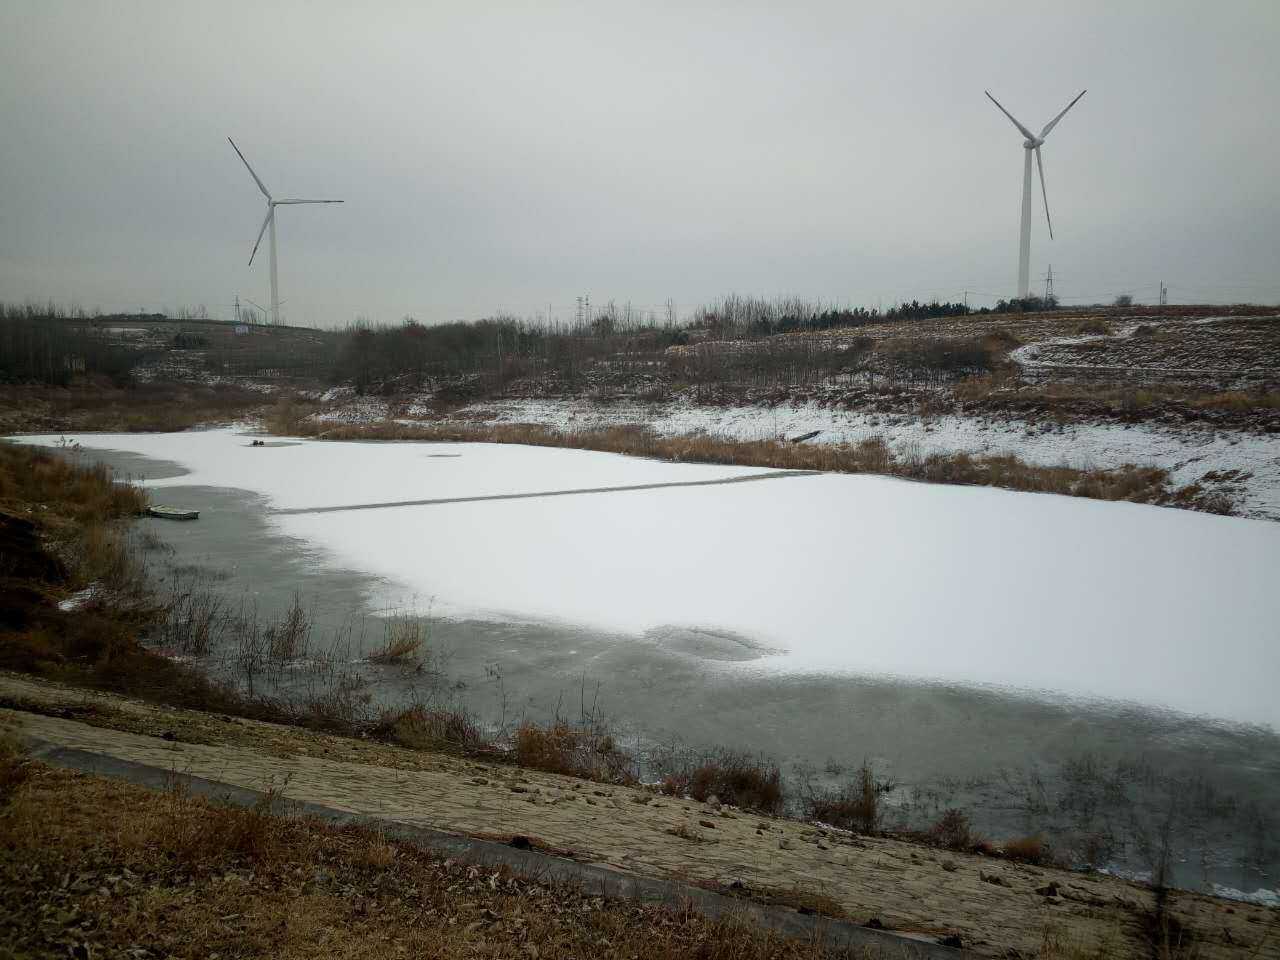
[
  {"x": 1188, "y": 454},
  {"x": 830, "y": 573}
]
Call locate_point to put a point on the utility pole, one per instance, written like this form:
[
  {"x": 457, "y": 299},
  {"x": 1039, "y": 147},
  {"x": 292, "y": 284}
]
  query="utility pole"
[
  {"x": 237, "y": 309},
  {"x": 1164, "y": 294},
  {"x": 1048, "y": 286}
]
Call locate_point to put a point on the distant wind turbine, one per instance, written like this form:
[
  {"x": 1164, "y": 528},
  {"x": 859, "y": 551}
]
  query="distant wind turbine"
[
  {"x": 270, "y": 221},
  {"x": 1032, "y": 142}
]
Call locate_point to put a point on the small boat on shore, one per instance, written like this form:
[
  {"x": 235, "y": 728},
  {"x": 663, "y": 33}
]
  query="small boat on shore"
[{"x": 173, "y": 513}]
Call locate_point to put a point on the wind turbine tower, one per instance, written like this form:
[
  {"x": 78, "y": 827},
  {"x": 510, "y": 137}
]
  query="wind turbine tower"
[
  {"x": 270, "y": 221},
  {"x": 1032, "y": 142}
]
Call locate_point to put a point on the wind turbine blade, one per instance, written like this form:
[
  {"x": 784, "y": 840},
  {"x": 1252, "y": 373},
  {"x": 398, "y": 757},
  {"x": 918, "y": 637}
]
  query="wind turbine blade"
[
  {"x": 310, "y": 201},
  {"x": 1044, "y": 193},
  {"x": 1025, "y": 132},
  {"x": 271, "y": 212},
  {"x": 265, "y": 192},
  {"x": 1054, "y": 122}
]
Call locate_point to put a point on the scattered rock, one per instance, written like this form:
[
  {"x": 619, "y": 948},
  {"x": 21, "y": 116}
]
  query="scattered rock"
[
  {"x": 991, "y": 878},
  {"x": 706, "y": 823},
  {"x": 949, "y": 866},
  {"x": 951, "y": 940},
  {"x": 784, "y": 844},
  {"x": 1049, "y": 890}
]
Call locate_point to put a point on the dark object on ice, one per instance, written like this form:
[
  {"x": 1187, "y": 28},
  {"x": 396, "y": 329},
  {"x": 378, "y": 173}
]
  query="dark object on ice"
[
  {"x": 874, "y": 923},
  {"x": 805, "y": 436},
  {"x": 173, "y": 513},
  {"x": 258, "y": 443}
]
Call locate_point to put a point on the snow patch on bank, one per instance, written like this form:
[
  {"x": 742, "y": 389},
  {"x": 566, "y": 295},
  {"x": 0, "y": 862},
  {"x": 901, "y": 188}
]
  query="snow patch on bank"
[{"x": 1188, "y": 455}]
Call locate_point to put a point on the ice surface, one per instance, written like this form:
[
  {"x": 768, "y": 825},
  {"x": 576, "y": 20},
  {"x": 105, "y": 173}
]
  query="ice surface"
[
  {"x": 853, "y": 574},
  {"x": 322, "y": 474}
]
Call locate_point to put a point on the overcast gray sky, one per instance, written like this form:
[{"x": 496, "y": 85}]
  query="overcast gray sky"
[{"x": 499, "y": 156}]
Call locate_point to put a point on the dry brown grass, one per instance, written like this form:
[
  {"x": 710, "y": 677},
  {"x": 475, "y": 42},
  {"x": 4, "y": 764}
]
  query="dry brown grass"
[
  {"x": 1238, "y": 400},
  {"x": 64, "y": 522},
  {"x": 1032, "y": 850},
  {"x": 575, "y": 751},
  {"x": 136, "y": 409},
  {"x": 91, "y": 867},
  {"x": 404, "y": 638},
  {"x": 1092, "y": 326},
  {"x": 63, "y": 492},
  {"x": 422, "y": 727},
  {"x": 14, "y": 768},
  {"x": 733, "y": 778}
]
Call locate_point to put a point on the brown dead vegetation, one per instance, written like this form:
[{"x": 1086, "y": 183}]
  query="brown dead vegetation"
[
  {"x": 99, "y": 405},
  {"x": 728, "y": 777},
  {"x": 1032, "y": 850},
  {"x": 858, "y": 806},
  {"x": 571, "y": 750},
  {"x": 91, "y": 867}
]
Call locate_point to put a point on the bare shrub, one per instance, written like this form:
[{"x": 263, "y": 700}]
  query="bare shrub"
[
  {"x": 858, "y": 806},
  {"x": 340, "y": 703},
  {"x": 933, "y": 359},
  {"x": 1092, "y": 326},
  {"x": 952, "y": 831},
  {"x": 193, "y": 618},
  {"x": 287, "y": 637},
  {"x": 737, "y": 779}
]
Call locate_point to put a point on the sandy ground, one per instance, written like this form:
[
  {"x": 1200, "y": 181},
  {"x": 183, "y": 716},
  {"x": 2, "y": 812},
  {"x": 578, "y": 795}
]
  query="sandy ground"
[{"x": 994, "y": 905}]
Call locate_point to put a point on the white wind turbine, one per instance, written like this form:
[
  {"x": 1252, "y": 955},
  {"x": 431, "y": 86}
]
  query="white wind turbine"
[
  {"x": 270, "y": 221},
  {"x": 1032, "y": 142}
]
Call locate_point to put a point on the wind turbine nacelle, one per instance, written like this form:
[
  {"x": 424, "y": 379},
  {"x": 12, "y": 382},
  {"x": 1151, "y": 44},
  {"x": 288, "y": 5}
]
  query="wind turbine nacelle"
[{"x": 1032, "y": 144}]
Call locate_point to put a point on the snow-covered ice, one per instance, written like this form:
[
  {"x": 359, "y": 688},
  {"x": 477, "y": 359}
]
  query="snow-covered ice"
[
  {"x": 854, "y": 574},
  {"x": 303, "y": 474}
]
